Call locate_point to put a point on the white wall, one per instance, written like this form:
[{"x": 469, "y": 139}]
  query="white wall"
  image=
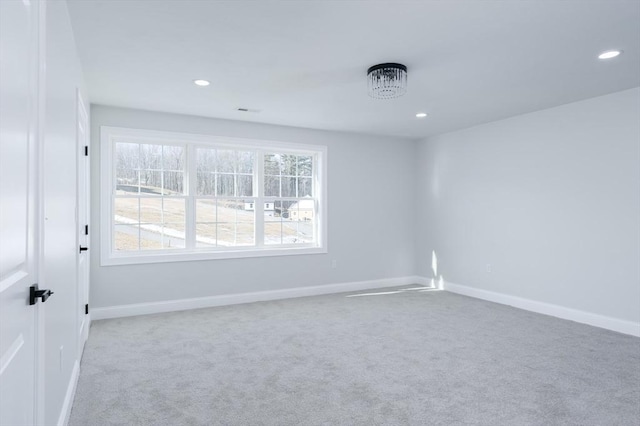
[
  {"x": 58, "y": 266},
  {"x": 550, "y": 199},
  {"x": 370, "y": 223}
]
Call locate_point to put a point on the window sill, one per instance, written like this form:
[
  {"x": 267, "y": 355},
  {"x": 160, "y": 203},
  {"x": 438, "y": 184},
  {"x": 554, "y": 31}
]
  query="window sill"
[{"x": 195, "y": 255}]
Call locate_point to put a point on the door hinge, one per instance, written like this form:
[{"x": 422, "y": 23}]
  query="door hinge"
[
  {"x": 86, "y": 230},
  {"x": 86, "y": 150},
  {"x": 86, "y": 309}
]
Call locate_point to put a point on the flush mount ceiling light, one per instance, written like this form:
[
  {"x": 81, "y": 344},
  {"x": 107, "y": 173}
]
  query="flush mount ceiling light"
[
  {"x": 201, "y": 83},
  {"x": 386, "y": 81},
  {"x": 421, "y": 115},
  {"x": 609, "y": 54}
]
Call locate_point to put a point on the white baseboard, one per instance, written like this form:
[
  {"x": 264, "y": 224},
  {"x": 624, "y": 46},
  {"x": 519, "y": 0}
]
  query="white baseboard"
[
  {"x": 596, "y": 320},
  {"x": 427, "y": 282},
  {"x": 63, "y": 419},
  {"x": 234, "y": 299},
  {"x": 83, "y": 336}
]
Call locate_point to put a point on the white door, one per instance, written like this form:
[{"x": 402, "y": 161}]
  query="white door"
[
  {"x": 19, "y": 106},
  {"x": 83, "y": 221}
]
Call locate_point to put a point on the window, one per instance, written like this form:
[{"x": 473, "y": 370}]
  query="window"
[{"x": 168, "y": 196}]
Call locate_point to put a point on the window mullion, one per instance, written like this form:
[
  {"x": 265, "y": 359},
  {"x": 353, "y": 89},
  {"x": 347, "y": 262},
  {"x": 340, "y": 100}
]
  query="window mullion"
[
  {"x": 259, "y": 193},
  {"x": 192, "y": 181},
  {"x": 315, "y": 191}
]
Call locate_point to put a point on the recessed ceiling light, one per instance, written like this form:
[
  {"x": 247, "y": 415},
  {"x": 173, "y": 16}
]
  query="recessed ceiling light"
[
  {"x": 421, "y": 114},
  {"x": 609, "y": 54},
  {"x": 201, "y": 82}
]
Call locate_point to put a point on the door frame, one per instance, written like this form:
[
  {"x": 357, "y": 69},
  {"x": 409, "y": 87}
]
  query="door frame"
[
  {"x": 82, "y": 119},
  {"x": 41, "y": 60}
]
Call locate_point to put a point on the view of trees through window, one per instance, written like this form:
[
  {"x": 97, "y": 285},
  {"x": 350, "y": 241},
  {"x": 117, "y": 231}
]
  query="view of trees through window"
[
  {"x": 157, "y": 193},
  {"x": 149, "y": 202},
  {"x": 223, "y": 177},
  {"x": 290, "y": 179}
]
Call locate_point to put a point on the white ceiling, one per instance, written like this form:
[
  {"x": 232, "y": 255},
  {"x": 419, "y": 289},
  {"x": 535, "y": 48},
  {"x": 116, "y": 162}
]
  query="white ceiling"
[{"x": 304, "y": 63}]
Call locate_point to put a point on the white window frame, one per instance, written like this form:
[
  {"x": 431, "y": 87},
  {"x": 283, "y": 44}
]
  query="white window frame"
[{"x": 110, "y": 135}]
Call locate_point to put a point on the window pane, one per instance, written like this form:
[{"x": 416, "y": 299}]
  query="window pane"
[
  {"x": 227, "y": 210},
  {"x": 272, "y": 164},
  {"x": 206, "y": 159},
  {"x": 150, "y": 182},
  {"x": 225, "y": 223},
  {"x": 273, "y": 225},
  {"x": 226, "y": 229},
  {"x": 245, "y": 185},
  {"x": 125, "y": 238},
  {"x": 289, "y": 231},
  {"x": 126, "y": 181},
  {"x": 171, "y": 240},
  {"x": 205, "y": 211},
  {"x": 272, "y": 186},
  {"x": 225, "y": 233},
  {"x": 305, "y": 165},
  {"x": 297, "y": 232},
  {"x": 173, "y": 183},
  {"x": 150, "y": 156},
  {"x": 286, "y": 208},
  {"x": 174, "y": 216},
  {"x": 279, "y": 227},
  {"x": 206, "y": 183},
  {"x": 302, "y": 214},
  {"x": 305, "y": 209},
  {"x": 225, "y": 185},
  {"x": 300, "y": 221},
  {"x": 293, "y": 212},
  {"x": 173, "y": 158},
  {"x": 306, "y": 231},
  {"x": 127, "y": 164},
  {"x": 245, "y": 162},
  {"x": 205, "y": 235},
  {"x": 235, "y": 234},
  {"x": 127, "y": 156},
  {"x": 245, "y": 229},
  {"x": 291, "y": 222},
  {"x": 289, "y": 165},
  {"x": 288, "y": 186},
  {"x": 235, "y": 224},
  {"x": 151, "y": 237},
  {"x": 205, "y": 223},
  {"x": 225, "y": 161},
  {"x": 150, "y": 210},
  {"x": 125, "y": 210},
  {"x": 305, "y": 187},
  {"x": 245, "y": 234}
]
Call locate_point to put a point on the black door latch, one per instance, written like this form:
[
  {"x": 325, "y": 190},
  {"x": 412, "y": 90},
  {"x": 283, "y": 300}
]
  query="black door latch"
[
  {"x": 35, "y": 294},
  {"x": 83, "y": 249}
]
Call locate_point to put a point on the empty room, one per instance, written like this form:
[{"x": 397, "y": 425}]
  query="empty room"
[{"x": 349, "y": 212}]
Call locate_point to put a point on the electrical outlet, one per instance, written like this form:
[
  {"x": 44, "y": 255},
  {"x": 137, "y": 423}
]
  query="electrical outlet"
[
  {"x": 488, "y": 268},
  {"x": 334, "y": 264}
]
